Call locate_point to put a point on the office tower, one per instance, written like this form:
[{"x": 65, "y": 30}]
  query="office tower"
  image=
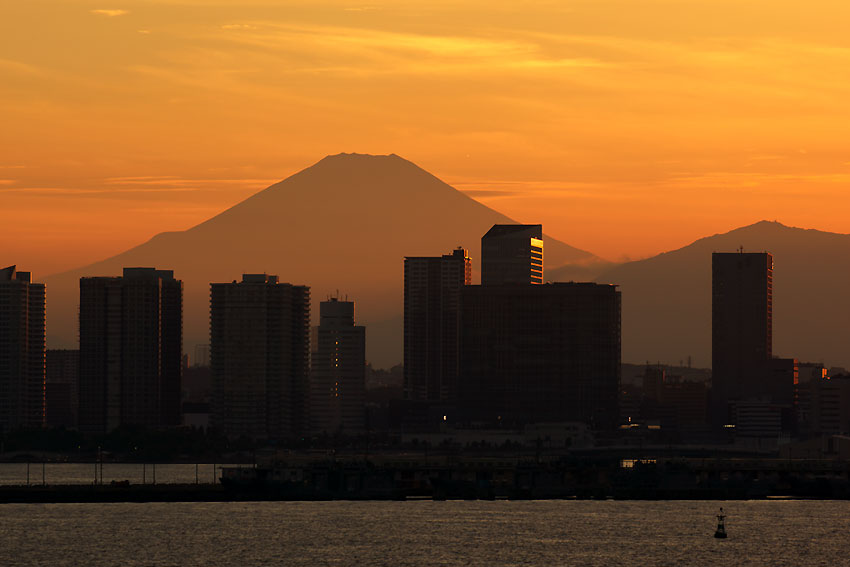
[
  {"x": 338, "y": 373},
  {"x": 131, "y": 343},
  {"x": 512, "y": 253},
  {"x": 741, "y": 329},
  {"x": 61, "y": 392},
  {"x": 260, "y": 357},
  {"x": 431, "y": 294},
  {"x": 22, "y": 331},
  {"x": 540, "y": 353}
]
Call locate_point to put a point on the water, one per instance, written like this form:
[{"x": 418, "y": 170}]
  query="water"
[
  {"x": 425, "y": 533},
  {"x": 84, "y": 473}
]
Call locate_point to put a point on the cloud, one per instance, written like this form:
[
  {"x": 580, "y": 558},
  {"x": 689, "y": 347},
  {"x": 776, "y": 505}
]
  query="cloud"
[
  {"x": 18, "y": 67},
  {"x": 238, "y": 27},
  {"x": 484, "y": 193},
  {"x": 109, "y": 13},
  {"x": 172, "y": 181}
]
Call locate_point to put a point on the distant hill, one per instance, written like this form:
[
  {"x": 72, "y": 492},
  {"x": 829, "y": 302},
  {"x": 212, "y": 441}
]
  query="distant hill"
[
  {"x": 344, "y": 224},
  {"x": 667, "y": 298}
]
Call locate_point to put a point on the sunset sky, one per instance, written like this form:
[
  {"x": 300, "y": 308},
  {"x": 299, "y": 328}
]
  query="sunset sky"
[{"x": 627, "y": 127}]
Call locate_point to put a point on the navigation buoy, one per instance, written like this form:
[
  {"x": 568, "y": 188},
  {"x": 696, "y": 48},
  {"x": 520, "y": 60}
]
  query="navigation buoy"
[{"x": 720, "y": 532}]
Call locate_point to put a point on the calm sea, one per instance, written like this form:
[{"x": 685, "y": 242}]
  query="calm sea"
[{"x": 426, "y": 533}]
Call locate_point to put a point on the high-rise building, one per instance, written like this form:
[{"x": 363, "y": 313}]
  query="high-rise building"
[
  {"x": 540, "y": 353},
  {"x": 824, "y": 406},
  {"x": 338, "y": 372},
  {"x": 131, "y": 343},
  {"x": 741, "y": 329},
  {"x": 22, "y": 344},
  {"x": 431, "y": 307},
  {"x": 260, "y": 357},
  {"x": 512, "y": 253},
  {"x": 61, "y": 392}
]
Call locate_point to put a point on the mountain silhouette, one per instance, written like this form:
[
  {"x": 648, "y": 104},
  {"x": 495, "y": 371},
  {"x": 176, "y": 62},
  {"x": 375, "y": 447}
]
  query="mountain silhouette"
[
  {"x": 343, "y": 224},
  {"x": 667, "y": 298}
]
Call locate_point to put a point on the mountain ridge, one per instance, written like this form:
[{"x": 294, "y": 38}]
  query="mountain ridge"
[
  {"x": 673, "y": 291},
  {"x": 345, "y": 222}
]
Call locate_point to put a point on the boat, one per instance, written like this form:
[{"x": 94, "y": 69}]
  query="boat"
[{"x": 720, "y": 532}]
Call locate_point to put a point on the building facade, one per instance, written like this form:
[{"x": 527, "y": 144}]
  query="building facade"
[
  {"x": 22, "y": 347},
  {"x": 432, "y": 287},
  {"x": 131, "y": 343},
  {"x": 259, "y": 357},
  {"x": 540, "y": 353},
  {"x": 338, "y": 371},
  {"x": 61, "y": 392},
  {"x": 741, "y": 329},
  {"x": 512, "y": 254}
]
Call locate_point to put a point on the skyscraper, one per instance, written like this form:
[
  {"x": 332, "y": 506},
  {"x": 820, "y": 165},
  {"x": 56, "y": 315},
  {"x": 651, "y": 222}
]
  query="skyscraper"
[
  {"x": 22, "y": 343},
  {"x": 741, "y": 328},
  {"x": 131, "y": 342},
  {"x": 512, "y": 253},
  {"x": 540, "y": 353},
  {"x": 260, "y": 357},
  {"x": 431, "y": 306},
  {"x": 338, "y": 373}
]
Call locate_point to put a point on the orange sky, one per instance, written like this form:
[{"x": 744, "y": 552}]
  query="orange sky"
[{"x": 627, "y": 128}]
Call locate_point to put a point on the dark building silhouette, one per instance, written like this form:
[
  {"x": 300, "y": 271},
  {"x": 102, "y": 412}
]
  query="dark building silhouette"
[
  {"x": 61, "y": 392},
  {"x": 432, "y": 288},
  {"x": 512, "y": 253},
  {"x": 741, "y": 329},
  {"x": 131, "y": 342},
  {"x": 824, "y": 407},
  {"x": 540, "y": 353},
  {"x": 338, "y": 371},
  {"x": 22, "y": 343},
  {"x": 260, "y": 357}
]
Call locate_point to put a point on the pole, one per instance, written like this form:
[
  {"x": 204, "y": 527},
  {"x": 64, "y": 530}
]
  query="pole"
[
  {"x": 196, "y": 473},
  {"x": 154, "y": 473},
  {"x": 214, "y": 480},
  {"x": 43, "y": 483},
  {"x": 28, "y": 473},
  {"x": 143, "y": 472}
]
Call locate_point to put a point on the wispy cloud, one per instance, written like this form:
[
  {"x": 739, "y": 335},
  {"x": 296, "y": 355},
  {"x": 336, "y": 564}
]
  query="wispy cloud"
[
  {"x": 109, "y": 13},
  {"x": 238, "y": 27},
  {"x": 173, "y": 181},
  {"x": 19, "y": 67}
]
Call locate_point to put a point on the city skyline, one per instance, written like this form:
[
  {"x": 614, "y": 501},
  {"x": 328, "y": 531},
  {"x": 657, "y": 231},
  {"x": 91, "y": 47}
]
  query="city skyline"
[
  {"x": 342, "y": 197},
  {"x": 598, "y": 249}
]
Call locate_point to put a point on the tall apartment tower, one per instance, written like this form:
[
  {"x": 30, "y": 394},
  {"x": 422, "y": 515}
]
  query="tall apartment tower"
[
  {"x": 260, "y": 357},
  {"x": 432, "y": 288},
  {"x": 22, "y": 347},
  {"x": 338, "y": 373},
  {"x": 131, "y": 343},
  {"x": 511, "y": 254},
  {"x": 62, "y": 386},
  {"x": 540, "y": 353},
  {"x": 741, "y": 328}
]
